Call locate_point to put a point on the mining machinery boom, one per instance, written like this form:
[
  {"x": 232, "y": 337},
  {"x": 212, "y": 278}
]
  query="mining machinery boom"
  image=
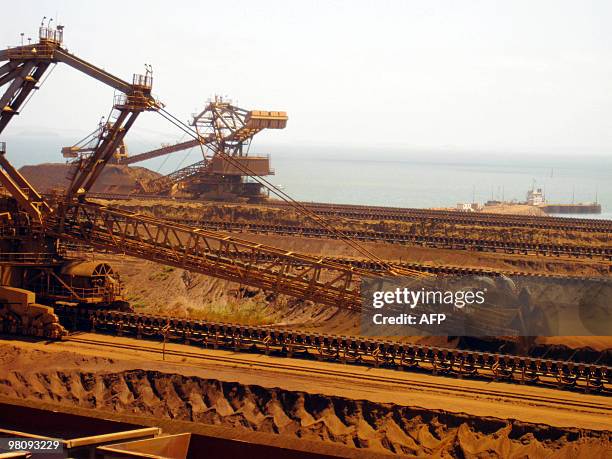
[
  {"x": 91, "y": 143},
  {"x": 23, "y": 71},
  {"x": 164, "y": 150},
  {"x": 34, "y": 226},
  {"x": 26, "y": 64},
  {"x": 29, "y": 257},
  {"x": 211, "y": 253},
  {"x": 222, "y": 128}
]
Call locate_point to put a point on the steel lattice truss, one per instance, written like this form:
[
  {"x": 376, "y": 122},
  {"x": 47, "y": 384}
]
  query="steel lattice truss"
[
  {"x": 165, "y": 150},
  {"x": 210, "y": 253},
  {"x": 224, "y": 130},
  {"x": 198, "y": 250},
  {"x": 166, "y": 182},
  {"x": 22, "y": 73}
]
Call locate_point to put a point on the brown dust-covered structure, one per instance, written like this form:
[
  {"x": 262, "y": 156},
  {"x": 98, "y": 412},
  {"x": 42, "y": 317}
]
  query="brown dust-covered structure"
[{"x": 54, "y": 285}]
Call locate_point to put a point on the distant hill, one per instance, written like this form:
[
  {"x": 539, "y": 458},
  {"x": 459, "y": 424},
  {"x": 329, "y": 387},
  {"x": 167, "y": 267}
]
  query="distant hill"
[{"x": 114, "y": 179}]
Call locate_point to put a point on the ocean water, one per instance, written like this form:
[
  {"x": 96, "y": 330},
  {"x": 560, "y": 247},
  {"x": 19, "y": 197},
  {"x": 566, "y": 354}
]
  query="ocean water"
[
  {"x": 378, "y": 176},
  {"x": 443, "y": 180}
]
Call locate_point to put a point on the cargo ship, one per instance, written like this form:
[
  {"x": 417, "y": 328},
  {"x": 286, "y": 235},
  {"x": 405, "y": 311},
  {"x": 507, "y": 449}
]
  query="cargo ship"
[{"x": 535, "y": 197}]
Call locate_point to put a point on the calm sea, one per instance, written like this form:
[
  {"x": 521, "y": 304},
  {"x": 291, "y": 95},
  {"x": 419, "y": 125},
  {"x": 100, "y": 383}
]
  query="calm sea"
[
  {"x": 443, "y": 180},
  {"x": 394, "y": 178}
]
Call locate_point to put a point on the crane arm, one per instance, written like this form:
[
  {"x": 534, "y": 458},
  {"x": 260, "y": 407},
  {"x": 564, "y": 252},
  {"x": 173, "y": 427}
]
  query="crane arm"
[
  {"x": 16, "y": 184},
  {"x": 91, "y": 70},
  {"x": 166, "y": 182},
  {"x": 51, "y": 52},
  {"x": 211, "y": 253},
  {"x": 166, "y": 150},
  {"x": 24, "y": 79},
  {"x": 232, "y": 126},
  {"x": 27, "y": 64},
  {"x": 86, "y": 170},
  {"x": 254, "y": 122},
  {"x": 22, "y": 74}
]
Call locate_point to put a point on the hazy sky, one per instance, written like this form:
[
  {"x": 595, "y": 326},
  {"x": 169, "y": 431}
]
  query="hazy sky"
[{"x": 516, "y": 76}]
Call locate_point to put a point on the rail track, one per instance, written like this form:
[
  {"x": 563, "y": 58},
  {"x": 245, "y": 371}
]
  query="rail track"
[
  {"x": 463, "y": 270},
  {"x": 439, "y": 242},
  {"x": 591, "y": 376},
  {"x": 362, "y": 263},
  {"x": 81, "y": 250},
  {"x": 360, "y": 212},
  {"x": 538, "y": 400}
]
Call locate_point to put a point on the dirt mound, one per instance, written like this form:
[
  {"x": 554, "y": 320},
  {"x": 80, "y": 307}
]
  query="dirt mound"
[
  {"x": 155, "y": 289},
  {"x": 357, "y": 423},
  {"x": 114, "y": 178},
  {"x": 198, "y": 211},
  {"x": 514, "y": 209}
]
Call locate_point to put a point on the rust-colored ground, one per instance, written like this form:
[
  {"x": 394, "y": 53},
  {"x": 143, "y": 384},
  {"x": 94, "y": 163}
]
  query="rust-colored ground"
[
  {"x": 283, "y": 216},
  {"x": 452, "y": 418},
  {"x": 468, "y": 420},
  {"x": 114, "y": 179}
]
